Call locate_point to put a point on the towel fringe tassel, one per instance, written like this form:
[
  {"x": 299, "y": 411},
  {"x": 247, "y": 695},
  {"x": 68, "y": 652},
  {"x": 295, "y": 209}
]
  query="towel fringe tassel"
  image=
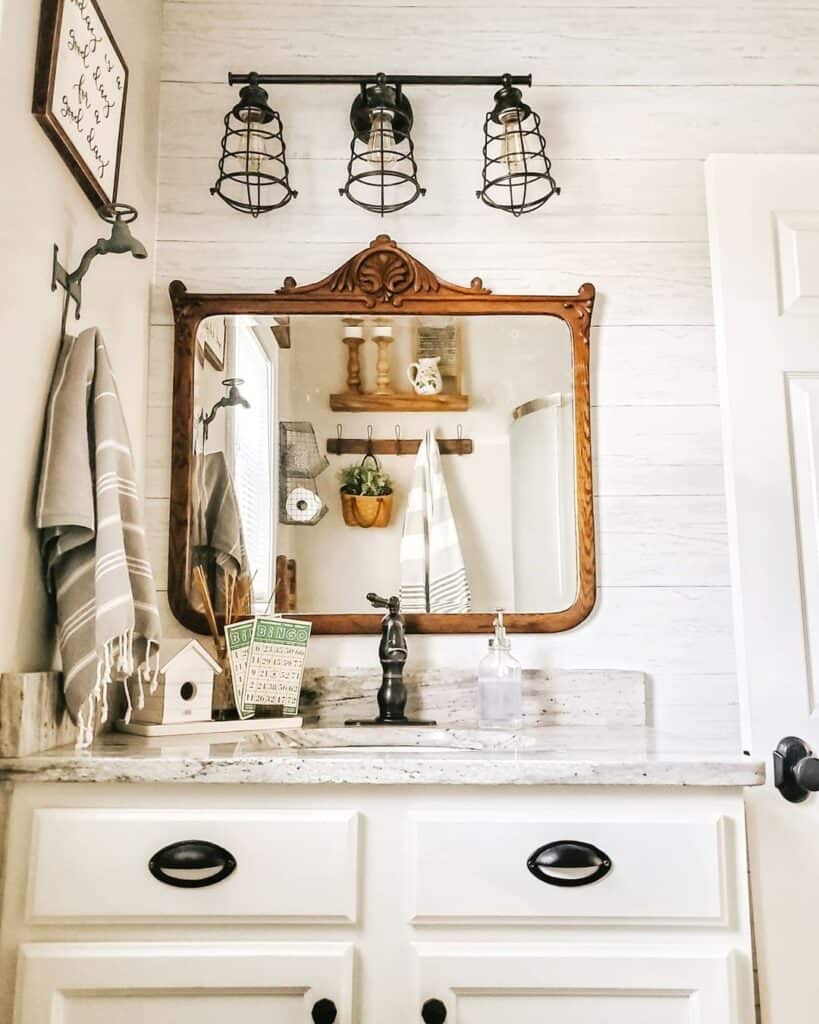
[
  {"x": 85, "y": 723},
  {"x": 130, "y": 704},
  {"x": 117, "y": 656},
  {"x": 80, "y": 742}
]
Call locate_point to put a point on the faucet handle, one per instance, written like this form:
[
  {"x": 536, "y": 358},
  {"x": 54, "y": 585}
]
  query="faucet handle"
[{"x": 392, "y": 604}]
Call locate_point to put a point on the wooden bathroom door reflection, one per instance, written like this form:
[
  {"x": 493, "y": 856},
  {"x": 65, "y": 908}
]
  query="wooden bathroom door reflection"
[{"x": 764, "y": 224}]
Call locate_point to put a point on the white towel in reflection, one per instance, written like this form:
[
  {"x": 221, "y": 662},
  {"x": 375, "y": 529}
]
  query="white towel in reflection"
[{"x": 433, "y": 575}]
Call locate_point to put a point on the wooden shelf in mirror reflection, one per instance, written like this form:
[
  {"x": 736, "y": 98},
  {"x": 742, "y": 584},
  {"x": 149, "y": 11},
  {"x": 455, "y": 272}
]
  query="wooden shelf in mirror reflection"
[{"x": 399, "y": 402}]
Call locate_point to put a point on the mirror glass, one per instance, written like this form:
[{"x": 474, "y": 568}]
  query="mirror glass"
[{"x": 469, "y": 495}]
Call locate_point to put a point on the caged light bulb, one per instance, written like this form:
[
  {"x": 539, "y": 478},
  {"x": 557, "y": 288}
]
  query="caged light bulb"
[
  {"x": 381, "y": 140},
  {"x": 512, "y": 149},
  {"x": 255, "y": 152}
]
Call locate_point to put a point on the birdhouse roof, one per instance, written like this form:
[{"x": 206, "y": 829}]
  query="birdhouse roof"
[{"x": 171, "y": 650}]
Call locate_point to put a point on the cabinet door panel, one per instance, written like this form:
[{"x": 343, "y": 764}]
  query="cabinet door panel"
[
  {"x": 579, "y": 1008},
  {"x": 181, "y": 983},
  {"x": 530, "y": 984},
  {"x": 182, "y": 1008}
]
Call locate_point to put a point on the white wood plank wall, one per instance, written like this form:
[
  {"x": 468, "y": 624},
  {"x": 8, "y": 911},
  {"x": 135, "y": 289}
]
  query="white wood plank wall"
[{"x": 633, "y": 97}]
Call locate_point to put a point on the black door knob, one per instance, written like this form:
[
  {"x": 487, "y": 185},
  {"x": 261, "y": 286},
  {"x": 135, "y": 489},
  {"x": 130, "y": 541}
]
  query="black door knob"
[
  {"x": 324, "y": 1011},
  {"x": 796, "y": 770},
  {"x": 433, "y": 1012}
]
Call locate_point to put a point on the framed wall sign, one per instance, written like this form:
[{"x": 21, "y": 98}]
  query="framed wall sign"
[
  {"x": 80, "y": 87},
  {"x": 214, "y": 338}
]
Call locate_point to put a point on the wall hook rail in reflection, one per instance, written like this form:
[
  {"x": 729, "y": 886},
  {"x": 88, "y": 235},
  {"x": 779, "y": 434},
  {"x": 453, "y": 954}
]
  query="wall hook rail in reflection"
[
  {"x": 340, "y": 445},
  {"x": 119, "y": 216}
]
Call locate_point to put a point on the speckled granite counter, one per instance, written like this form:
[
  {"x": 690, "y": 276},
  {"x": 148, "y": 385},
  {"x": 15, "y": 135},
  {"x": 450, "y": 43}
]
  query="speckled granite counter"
[{"x": 549, "y": 755}]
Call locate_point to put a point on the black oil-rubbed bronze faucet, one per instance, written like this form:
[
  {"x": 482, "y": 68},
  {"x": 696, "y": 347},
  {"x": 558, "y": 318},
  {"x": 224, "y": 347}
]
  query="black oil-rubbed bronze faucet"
[{"x": 392, "y": 653}]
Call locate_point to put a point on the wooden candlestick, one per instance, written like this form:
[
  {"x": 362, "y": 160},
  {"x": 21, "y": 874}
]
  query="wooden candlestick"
[
  {"x": 353, "y": 339},
  {"x": 383, "y": 339}
]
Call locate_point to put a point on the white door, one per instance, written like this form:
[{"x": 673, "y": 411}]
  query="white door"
[
  {"x": 764, "y": 226},
  {"x": 532, "y": 984},
  {"x": 183, "y": 983}
]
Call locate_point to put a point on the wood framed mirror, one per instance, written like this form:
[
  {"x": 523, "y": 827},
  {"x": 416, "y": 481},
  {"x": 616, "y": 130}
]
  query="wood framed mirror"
[{"x": 273, "y": 394}]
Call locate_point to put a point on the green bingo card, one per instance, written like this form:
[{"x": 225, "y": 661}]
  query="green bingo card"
[
  {"x": 239, "y": 637},
  {"x": 276, "y": 663}
]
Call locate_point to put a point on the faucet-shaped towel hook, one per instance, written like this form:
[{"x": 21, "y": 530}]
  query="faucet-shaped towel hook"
[
  {"x": 233, "y": 397},
  {"x": 119, "y": 216}
]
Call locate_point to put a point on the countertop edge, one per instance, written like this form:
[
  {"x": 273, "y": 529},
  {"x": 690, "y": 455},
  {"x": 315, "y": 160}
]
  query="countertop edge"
[{"x": 385, "y": 770}]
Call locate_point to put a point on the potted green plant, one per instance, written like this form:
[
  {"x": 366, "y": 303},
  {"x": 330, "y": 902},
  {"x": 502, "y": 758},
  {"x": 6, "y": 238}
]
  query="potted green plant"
[{"x": 366, "y": 494}]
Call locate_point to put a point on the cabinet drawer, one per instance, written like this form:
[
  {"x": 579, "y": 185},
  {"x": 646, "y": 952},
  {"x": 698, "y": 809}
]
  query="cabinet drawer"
[
  {"x": 93, "y": 864},
  {"x": 474, "y": 868}
]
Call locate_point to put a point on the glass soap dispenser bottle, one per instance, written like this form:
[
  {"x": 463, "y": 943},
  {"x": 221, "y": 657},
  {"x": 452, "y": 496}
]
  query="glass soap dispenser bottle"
[{"x": 500, "y": 693}]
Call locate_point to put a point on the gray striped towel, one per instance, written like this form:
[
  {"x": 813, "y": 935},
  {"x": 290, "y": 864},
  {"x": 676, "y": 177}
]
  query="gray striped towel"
[
  {"x": 217, "y": 537},
  {"x": 92, "y": 537},
  {"x": 433, "y": 575}
]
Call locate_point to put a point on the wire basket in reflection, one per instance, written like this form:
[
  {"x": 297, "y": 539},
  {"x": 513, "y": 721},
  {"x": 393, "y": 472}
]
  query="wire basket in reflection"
[
  {"x": 300, "y": 462},
  {"x": 299, "y": 454}
]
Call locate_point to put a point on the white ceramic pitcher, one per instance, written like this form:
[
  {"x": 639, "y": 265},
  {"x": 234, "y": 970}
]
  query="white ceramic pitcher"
[{"x": 425, "y": 376}]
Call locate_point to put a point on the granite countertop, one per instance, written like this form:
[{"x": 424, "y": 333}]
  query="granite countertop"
[{"x": 541, "y": 756}]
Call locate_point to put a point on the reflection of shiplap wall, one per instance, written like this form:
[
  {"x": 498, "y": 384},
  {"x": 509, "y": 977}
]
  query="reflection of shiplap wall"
[
  {"x": 507, "y": 361},
  {"x": 633, "y": 98}
]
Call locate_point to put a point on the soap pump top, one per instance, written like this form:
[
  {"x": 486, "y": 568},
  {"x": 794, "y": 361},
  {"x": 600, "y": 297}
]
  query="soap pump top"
[
  {"x": 500, "y": 694},
  {"x": 500, "y": 640}
]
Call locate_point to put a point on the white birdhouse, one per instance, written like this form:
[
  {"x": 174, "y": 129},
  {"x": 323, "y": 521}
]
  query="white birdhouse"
[{"x": 185, "y": 690}]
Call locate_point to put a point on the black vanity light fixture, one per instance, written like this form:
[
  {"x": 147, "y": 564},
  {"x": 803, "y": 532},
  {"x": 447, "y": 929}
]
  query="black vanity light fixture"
[
  {"x": 382, "y": 174},
  {"x": 253, "y": 175},
  {"x": 517, "y": 174}
]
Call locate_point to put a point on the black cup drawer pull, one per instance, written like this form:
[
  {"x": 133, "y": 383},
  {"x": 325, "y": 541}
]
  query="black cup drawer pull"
[
  {"x": 581, "y": 862},
  {"x": 192, "y": 864}
]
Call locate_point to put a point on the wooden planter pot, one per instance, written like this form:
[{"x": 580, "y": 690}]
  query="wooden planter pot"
[{"x": 366, "y": 510}]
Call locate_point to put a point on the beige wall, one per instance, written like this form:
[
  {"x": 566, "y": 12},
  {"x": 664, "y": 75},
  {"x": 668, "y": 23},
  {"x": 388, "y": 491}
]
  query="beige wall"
[{"x": 41, "y": 204}]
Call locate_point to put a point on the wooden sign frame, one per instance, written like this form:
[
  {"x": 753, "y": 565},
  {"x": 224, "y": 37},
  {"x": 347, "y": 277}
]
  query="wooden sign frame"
[{"x": 48, "y": 57}]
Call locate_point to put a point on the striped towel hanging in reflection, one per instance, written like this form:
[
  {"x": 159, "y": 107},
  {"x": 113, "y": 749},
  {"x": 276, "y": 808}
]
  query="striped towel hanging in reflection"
[{"x": 433, "y": 575}]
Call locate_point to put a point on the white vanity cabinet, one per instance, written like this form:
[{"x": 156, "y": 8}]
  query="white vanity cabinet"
[{"x": 395, "y": 903}]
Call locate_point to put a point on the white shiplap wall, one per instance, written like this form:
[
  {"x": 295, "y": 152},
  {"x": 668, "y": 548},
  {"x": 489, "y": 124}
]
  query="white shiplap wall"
[{"x": 633, "y": 97}]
